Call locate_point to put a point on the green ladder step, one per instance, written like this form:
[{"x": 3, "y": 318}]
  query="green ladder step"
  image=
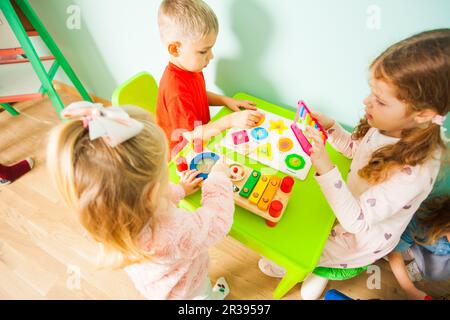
[{"x": 60, "y": 61}]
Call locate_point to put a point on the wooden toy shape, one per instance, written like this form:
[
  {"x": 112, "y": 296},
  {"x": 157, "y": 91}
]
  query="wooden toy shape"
[
  {"x": 245, "y": 189},
  {"x": 240, "y": 137},
  {"x": 285, "y": 144},
  {"x": 261, "y": 121},
  {"x": 259, "y": 189},
  {"x": 250, "y": 184},
  {"x": 295, "y": 162},
  {"x": 259, "y": 134},
  {"x": 264, "y": 195},
  {"x": 270, "y": 192},
  {"x": 278, "y": 126},
  {"x": 237, "y": 172}
]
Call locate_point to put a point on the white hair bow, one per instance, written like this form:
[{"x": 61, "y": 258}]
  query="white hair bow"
[{"x": 112, "y": 124}]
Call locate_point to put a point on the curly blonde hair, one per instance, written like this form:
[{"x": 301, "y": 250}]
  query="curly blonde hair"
[
  {"x": 108, "y": 187},
  {"x": 418, "y": 68}
]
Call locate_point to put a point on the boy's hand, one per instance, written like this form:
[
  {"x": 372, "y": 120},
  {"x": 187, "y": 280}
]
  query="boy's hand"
[
  {"x": 245, "y": 119},
  {"x": 319, "y": 156},
  {"x": 190, "y": 182},
  {"x": 325, "y": 121},
  {"x": 236, "y": 105}
]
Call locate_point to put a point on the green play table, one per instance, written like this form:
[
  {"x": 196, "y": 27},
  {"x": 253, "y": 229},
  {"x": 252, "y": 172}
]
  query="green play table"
[{"x": 297, "y": 241}]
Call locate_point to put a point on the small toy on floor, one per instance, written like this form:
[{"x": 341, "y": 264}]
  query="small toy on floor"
[{"x": 9, "y": 174}]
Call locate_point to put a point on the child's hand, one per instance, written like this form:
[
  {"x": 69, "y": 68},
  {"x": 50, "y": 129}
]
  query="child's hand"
[
  {"x": 325, "y": 121},
  {"x": 190, "y": 182},
  {"x": 319, "y": 156},
  {"x": 245, "y": 119},
  {"x": 221, "y": 166},
  {"x": 415, "y": 294},
  {"x": 236, "y": 105}
]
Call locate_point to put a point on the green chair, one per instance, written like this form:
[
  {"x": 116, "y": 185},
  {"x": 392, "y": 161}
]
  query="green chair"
[{"x": 141, "y": 90}]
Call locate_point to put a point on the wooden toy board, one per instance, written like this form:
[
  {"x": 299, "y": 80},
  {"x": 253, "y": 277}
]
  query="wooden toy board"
[
  {"x": 271, "y": 143},
  {"x": 268, "y": 192}
]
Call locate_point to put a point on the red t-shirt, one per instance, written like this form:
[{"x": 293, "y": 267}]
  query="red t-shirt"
[{"x": 182, "y": 103}]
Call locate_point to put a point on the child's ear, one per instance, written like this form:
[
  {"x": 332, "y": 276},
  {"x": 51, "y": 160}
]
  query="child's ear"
[
  {"x": 174, "y": 49},
  {"x": 425, "y": 116}
]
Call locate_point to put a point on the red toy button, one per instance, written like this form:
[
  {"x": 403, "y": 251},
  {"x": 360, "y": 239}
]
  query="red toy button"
[
  {"x": 287, "y": 184},
  {"x": 275, "y": 209},
  {"x": 182, "y": 165}
]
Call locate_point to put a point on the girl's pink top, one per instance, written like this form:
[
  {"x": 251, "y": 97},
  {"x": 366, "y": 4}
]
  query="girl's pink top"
[
  {"x": 179, "y": 240},
  {"x": 371, "y": 217}
]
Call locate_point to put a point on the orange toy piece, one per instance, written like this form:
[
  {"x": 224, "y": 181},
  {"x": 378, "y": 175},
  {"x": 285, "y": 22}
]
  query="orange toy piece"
[
  {"x": 270, "y": 192},
  {"x": 261, "y": 121}
]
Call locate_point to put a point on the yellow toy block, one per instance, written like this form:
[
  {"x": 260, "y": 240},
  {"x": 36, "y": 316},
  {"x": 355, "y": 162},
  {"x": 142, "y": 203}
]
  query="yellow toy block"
[
  {"x": 269, "y": 194},
  {"x": 259, "y": 189}
]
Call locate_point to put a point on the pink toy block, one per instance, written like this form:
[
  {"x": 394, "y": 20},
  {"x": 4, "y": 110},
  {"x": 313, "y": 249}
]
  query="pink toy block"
[{"x": 240, "y": 137}]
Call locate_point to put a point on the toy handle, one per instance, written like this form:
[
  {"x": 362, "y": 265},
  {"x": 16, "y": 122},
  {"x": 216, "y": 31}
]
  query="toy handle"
[
  {"x": 304, "y": 143},
  {"x": 301, "y": 104}
]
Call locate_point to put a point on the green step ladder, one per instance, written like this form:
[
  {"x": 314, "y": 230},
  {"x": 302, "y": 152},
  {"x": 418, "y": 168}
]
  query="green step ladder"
[{"x": 60, "y": 61}]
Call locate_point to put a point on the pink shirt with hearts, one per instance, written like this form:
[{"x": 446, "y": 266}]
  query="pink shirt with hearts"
[
  {"x": 179, "y": 241},
  {"x": 371, "y": 217}
]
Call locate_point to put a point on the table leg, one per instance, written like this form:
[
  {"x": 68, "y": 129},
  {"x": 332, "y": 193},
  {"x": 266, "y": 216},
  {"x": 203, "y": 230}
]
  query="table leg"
[{"x": 288, "y": 282}]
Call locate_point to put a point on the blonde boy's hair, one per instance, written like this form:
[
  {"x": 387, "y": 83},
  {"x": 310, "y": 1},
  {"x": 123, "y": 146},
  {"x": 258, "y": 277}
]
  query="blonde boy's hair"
[
  {"x": 108, "y": 187},
  {"x": 186, "y": 20}
]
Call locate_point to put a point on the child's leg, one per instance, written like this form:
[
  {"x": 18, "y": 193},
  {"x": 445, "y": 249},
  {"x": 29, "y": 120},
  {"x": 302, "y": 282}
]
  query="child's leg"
[
  {"x": 313, "y": 287},
  {"x": 401, "y": 274},
  {"x": 270, "y": 268},
  {"x": 9, "y": 174}
]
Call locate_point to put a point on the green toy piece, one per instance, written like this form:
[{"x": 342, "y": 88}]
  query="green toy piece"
[
  {"x": 295, "y": 162},
  {"x": 250, "y": 184}
]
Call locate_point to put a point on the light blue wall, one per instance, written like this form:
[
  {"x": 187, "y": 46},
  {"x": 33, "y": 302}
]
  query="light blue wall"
[{"x": 277, "y": 50}]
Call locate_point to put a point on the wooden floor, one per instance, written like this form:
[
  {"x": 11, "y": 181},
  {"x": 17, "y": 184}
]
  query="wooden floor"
[{"x": 43, "y": 248}]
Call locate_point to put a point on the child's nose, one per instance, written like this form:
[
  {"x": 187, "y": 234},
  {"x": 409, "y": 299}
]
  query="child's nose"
[{"x": 211, "y": 55}]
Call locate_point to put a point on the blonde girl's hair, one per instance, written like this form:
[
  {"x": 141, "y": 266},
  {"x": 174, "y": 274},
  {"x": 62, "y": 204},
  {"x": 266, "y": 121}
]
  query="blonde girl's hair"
[
  {"x": 186, "y": 19},
  {"x": 434, "y": 216},
  {"x": 108, "y": 187},
  {"x": 418, "y": 68}
]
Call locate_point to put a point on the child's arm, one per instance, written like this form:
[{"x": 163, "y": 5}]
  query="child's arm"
[
  {"x": 189, "y": 184},
  {"x": 243, "y": 119},
  {"x": 234, "y": 104},
  {"x": 398, "y": 267},
  {"x": 210, "y": 223},
  {"x": 339, "y": 138},
  {"x": 376, "y": 204}
]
